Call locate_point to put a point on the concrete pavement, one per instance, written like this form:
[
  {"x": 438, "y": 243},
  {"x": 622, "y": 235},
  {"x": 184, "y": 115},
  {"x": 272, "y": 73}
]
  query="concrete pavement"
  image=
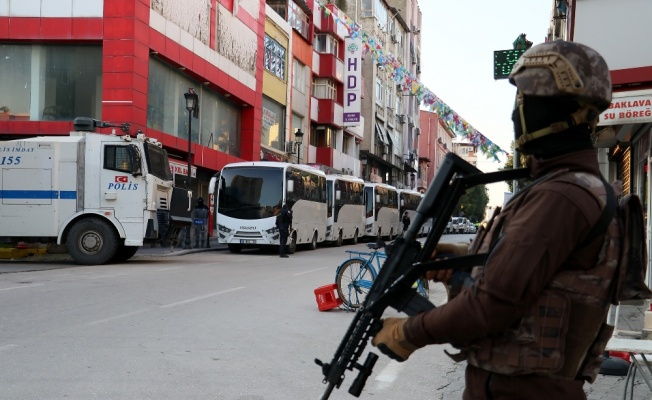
[{"x": 606, "y": 387}]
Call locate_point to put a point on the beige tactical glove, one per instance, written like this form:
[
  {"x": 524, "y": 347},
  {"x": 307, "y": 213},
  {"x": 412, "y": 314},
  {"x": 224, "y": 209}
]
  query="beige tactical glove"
[
  {"x": 391, "y": 340},
  {"x": 447, "y": 250}
]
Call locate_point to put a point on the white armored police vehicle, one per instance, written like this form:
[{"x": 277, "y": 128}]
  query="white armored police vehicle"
[{"x": 102, "y": 195}]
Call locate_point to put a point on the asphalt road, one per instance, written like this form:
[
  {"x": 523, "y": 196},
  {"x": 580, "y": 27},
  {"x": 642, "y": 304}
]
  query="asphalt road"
[{"x": 209, "y": 325}]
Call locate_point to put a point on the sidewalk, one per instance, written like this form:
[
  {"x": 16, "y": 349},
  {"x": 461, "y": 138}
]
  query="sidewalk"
[
  {"x": 159, "y": 251},
  {"x": 37, "y": 259}
]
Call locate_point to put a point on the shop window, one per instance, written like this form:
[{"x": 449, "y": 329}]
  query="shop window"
[
  {"x": 273, "y": 130},
  {"x": 219, "y": 123},
  {"x": 325, "y": 43},
  {"x": 299, "y": 20},
  {"x": 323, "y": 88},
  {"x": 299, "y": 76},
  {"x": 274, "y": 59},
  {"x": 50, "y": 82},
  {"x": 280, "y": 7},
  {"x": 323, "y": 137}
]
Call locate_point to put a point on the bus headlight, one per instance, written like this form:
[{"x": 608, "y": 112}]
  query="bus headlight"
[
  {"x": 271, "y": 231},
  {"x": 223, "y": 228}
]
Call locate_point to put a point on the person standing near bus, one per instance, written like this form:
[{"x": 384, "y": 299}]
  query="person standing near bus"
[
  {"x": 283, "y": 223},
  {"x": 199, "y": 217},
  {"x": 406, "y": 221}
]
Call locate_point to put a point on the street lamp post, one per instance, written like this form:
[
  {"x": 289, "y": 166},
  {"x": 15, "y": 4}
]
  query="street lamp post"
[
  {"x": 298, "y": 135},
  {"x": 191, "y": 103}
]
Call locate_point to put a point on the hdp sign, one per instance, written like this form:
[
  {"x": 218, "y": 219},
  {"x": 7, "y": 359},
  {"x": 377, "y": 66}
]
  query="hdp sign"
[{"x": 504, "y": 61}]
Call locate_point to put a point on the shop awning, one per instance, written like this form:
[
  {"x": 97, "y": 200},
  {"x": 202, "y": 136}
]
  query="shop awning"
[{"x": 382, "y": 134}]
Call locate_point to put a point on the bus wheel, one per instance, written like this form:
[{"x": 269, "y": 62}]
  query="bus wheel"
[
  {"x": 235, "y": 248},
  {"x": 292, "y": 246},
  {"x": 354, "y": 239},
  {"x": 313, "y": 242},
  {"x": 339, "y": 240}
]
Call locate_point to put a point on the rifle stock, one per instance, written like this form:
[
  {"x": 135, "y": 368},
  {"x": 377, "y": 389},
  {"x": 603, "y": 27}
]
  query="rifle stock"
[{"x": 405, "y": 264}]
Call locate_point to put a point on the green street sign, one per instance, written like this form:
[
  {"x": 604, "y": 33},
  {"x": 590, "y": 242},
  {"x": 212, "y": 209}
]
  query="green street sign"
[{"x": 504, "y": 61}]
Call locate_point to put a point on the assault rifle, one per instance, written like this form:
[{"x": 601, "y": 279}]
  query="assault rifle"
[{"x": 407, "y": 262}]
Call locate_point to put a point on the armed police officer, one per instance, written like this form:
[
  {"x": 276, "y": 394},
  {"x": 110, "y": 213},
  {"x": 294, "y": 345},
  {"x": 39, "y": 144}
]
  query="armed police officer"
[
  {"x": 199, "y": 218},
  {"x": 532, "y": 323}
]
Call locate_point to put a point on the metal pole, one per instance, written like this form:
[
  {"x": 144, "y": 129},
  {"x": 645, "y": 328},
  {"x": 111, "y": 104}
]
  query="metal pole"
[{"x": 186, "y": 243}]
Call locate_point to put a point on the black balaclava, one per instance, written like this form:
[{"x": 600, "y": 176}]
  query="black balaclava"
[{"x": 541, "y": 112}]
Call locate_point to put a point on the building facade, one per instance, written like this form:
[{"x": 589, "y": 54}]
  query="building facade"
[
  {"x": 270, "y": 76},
  {"x": 132, "y": 61},
  {"x": 624, "y": 129},
  {"x": 435, "y": 141}
]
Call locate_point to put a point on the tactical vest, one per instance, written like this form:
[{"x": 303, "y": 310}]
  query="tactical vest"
[{"x": 564, "y": 333}]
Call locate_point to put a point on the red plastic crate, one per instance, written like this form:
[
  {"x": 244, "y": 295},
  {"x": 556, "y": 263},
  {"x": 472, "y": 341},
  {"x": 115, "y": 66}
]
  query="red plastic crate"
[{"x": 327, "y": 298}]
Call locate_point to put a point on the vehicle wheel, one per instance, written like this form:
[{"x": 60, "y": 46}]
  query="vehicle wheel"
[
  {"x": 354, "y": 239},
  {"x": 338, "y": 242},
  {"x": 291, "y": 248},
  {"x": 124, "y": 253},
  {"x": 235, "y": 248},
  {"x": 354, "y": 279},
  {"x": 92, "y": 241},
  {"x": 313, "y": 243}
]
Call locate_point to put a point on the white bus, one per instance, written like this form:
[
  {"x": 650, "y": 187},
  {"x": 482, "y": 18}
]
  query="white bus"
[
  {"x": 381, "y": 211},
  {"x": 409, "y": 200},
  {"x": 250, "y": 195},
  {"x": 346, "y": 211}
]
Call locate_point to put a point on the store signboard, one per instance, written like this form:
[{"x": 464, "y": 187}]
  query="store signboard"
[
  {"x": 181, "y": 169},
  {"x": 628, "y": 108},
  {"x": 352, "y": 81}
]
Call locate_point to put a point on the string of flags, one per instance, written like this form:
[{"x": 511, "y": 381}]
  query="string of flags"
[{"x": 408, "y": 82}]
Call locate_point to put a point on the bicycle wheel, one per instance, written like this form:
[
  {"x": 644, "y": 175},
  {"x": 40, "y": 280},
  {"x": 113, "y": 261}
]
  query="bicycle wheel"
[{"x": 354, "y": 279}]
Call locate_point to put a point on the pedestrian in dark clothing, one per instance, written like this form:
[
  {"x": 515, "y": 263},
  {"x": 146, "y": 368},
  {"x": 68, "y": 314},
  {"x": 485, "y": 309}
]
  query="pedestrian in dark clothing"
[
  {"x": 199, "y": 221},
  {"x": 406, "y": 221},
  {"x": 283, "y": 223}
]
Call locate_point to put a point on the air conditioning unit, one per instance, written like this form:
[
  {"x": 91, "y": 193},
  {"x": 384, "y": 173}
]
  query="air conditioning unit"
[
  {"x": 400, "y": 118},
  {"x": 410, "y": 121},
  {"x": 289, "y": 147},
  {"x": 417, "y": 131}
]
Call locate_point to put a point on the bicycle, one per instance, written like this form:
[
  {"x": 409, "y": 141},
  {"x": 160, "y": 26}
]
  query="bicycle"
[{"x": 355, "y": 276}]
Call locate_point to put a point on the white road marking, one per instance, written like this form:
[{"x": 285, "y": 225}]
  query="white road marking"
[
  {"x": 22, "y": 287},
  {"x": 168, "y": 269},
  {"x": 107, "y": 276},
  {"x": 388, "y": 375},
  {"x": 206, "y": 296},
  {"x": 310, "y": 271},
  {"x": 117, "y": 317},
  {"x": 7, "y": 347}
]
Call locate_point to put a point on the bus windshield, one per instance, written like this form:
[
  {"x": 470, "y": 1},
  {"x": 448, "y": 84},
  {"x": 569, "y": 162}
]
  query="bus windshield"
[{"x": 250, "y": 192}]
